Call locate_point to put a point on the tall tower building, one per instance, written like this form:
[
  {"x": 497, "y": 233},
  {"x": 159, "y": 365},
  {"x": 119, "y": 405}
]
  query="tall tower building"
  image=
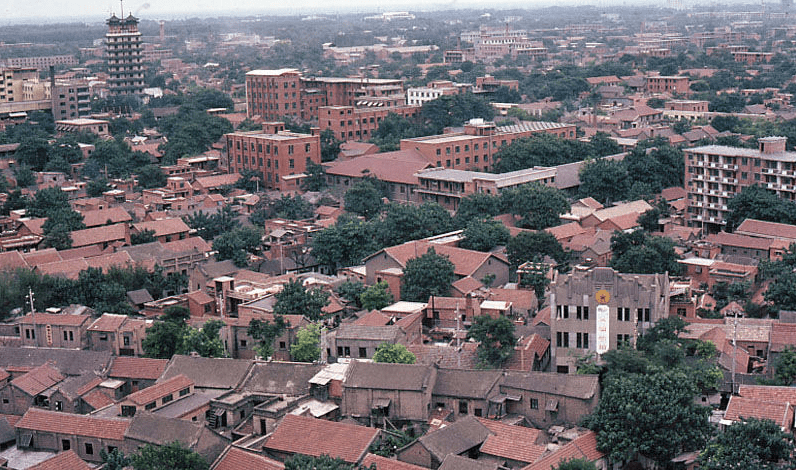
[{"x": 124, "y": 56}]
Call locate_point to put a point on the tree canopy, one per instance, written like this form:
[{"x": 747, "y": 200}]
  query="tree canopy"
[
  {"x": 639, "y": 253},
  {"x": 376, "y": 297},
  {"x": 295, "y": 299},
  {"x": 173, "y": 456},
  {"x": 756, "y": 202},
  {"x": 428, "y": 274},
  {"x": 394, "y": 353},
  {"x": 752, "y": 444},
  {"x": 496, "y": 338},
  {"x": 307, "y": 345}
]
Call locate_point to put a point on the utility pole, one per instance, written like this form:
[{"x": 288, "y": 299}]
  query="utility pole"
[
  {"x": 458, "y": 340},
  {"x": 734, "y": 348},
  {"x": 33, "y": 315}
]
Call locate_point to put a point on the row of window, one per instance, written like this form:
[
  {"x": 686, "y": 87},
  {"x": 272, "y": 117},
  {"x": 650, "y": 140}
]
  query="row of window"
[
  {"x": 582, "y": 313},
  {"x": 457, "y": 149},
  {"x": 290, "y": 148},
  {"x": 66, "y": 444},
  {"x": 581, "y": 340},
  {"x": 270, "y": 84},
  {"x": 459, "y": 161}
]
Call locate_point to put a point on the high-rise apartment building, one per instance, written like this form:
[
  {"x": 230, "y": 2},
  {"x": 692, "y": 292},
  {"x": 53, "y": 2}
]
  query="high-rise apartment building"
[
  {"x": 124, "y": 57},
  {"x": 714, "y": 174}
]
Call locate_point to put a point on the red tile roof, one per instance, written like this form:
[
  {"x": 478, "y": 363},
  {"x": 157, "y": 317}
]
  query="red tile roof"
[
  {"x": 741, "y": 407},
  {"x": 782, "y": 336},
  {"x": 82, "y": 252},
  {"x": 150, "y": 394},
  {"x": 99, "y": 235},
  {"x": 465, "y": 262},
  {"x": 238, "y": 459},
  {"x": 163, "y": 227},
  {"x": 768, "y": 393},
  {"x": 743, "y": 241},
  {"x": 38, "y": 380},
  {"x": 69, "y": 269},
  {"x": 218, "y": 180},
  {"x": 315, "y": 437},
  {"x": 394, "y": 167},
  {"x": 35, "y": 258},
  {"x": 584, "y": 447},
  {"x": 565, "y": 231},
  {"x": 78, "y": 425},
  {"x": 10, "y": 260},
  {"x": 512, "y": 442},
  {"x": 383, "y": 463},
  {"x": 12, "y": 419},
  {"x": 373, "y": 318},
  {"x": 97, "y": 399},
  {"x": 104, "y": 262},
  {"x": 137, "y": 368},
  {"x": 95, "y": 218},
  {"x": 64, "y": 461},
  {"x": 760, "y": 228},
  {"x": 60, "y": 319},
  {"x": 108, "y": 322},
  {"x": 188, "y": 244}
]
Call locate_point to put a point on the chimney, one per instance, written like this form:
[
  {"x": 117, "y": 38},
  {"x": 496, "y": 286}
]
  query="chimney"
[{"x": 162, "y": 30}]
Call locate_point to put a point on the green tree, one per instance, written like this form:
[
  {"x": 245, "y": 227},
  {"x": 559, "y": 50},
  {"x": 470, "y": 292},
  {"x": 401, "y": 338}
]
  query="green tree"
[
  {"x": 56, "y": 229},
  {"x": 651, "y": 413},
  {"x": 755, "y": 202},
  {"x": 749, "y": 444},
  {"x": 173, "y": 456},
  {"x": 640, "y": 253},
  {"x": 162, "y": 339},
  {"x": 427, "y": 275},
  {"x": 330, "y": 146},
  {"x": 785, "y": 367},
  {"x": 604, "y": 180},
  {"x": 237, "y": 244},
  {"x": 294, "y": 299},
  {"x": 534, "y": 246},
  {"x": 483, "y": 235},
  {"x": 47, "y": 201},
  {"x": 454, "y": 110},
  {"x": 345, "y": 243},
  {"x": 114, "y": 460},
  {"x": 539, "y": 206},
  {"x": 265, "y": 332},
  {"x": 205, "y": 341},
  {"x": 95, "y": 188},
  {"x": 24, "y": 176},
  {"x": 351, "y": 290},
  {"x": 293, "y": 208},
  {"x": 33, "y": 151},
  {"x": 376, "y": 297},
  {"x": 151, "y": 176},
  {"x": 394, "y": 353},
  {"x": 477, "y": 206},
  {"x": 403, "y": 222},
  {"x": 316, "y": 177},
  {"x": 496, "y": 338},
  {"x": 364, "y": 199},
  {"x": 307, "y": 347},
  {"x": 324, "y": 462},
  {"x": 139, "y": 238},
  {"x": 392, "y": 129},
  {"x": 576, "y": 464},
  {"x": 250, "y": 180}
]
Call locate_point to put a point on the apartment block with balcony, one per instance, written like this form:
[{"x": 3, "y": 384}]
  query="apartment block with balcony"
[{"x": 714, "y": 174}]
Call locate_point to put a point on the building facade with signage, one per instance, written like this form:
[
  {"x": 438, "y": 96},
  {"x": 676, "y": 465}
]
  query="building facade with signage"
[{"x": 596, "y": 310}]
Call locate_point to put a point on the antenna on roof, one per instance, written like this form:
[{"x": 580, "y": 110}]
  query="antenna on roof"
[{"x": 121, "y": 2}]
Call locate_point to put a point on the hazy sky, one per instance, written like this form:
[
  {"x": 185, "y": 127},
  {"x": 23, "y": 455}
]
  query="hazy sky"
[{"x": 92, "y": 10}]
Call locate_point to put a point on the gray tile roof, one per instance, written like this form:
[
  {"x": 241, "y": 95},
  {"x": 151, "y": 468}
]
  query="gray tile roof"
[
  {"x": 466, "y": 383},
  {"x": 568, "y": 385},
  {"x": 388, "y": 376},
  {"x": 67, "y": 361},
  {"x": 208, "y": 372},
  {"x": 289, "y": 378},
  {"x": 455, "y": 438}
]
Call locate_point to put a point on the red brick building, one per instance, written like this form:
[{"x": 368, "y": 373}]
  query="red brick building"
[
  {"x": 350, "y": 123},
  {"x": 273, "y": 94},
  {"x": 668, "y": 84},
  {"x": 280, "y": 156},
  {"x": 475, "y": 147}
]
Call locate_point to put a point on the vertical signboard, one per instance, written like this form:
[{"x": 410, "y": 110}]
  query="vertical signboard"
[{"x": 602, "y": 328}]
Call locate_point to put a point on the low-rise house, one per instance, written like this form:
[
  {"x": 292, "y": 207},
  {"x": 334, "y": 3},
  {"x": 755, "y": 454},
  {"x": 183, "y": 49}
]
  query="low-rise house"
[
  {"x": 235, "y": 458},
  {"x": 465, "y": 392},
  {"x": 166, "y": 230},
  {"x": 69, "y": 362},
  {"x": 111, "y": 235},
  {"x": 546, "y": 398},
  {"x": 120, "y": 334},
  {"x": 156, "y": 396},
  {"x": 361, "y": 341},
  {"x": 457, "y": 462},
  {"x": 511, "y": 446},
  {"x": 31, "y": 389},
  {"x": 383, "y": 463},
  {"x": 137, "y": 373},
  {"x": 399, "y": 392},
  {"x": 740, "y": 408},
  {"x": 52, "y": 431},
  {"x": 109, "y": 216},
  {"x": 462, "y": 438},
  {"x": 209, "y": 373},
  {"x": 583, "y": 447},
  {"x": 150, "y": 429},
  {"x": 54, "y": 330},
  {"x": 316, "y": 437},
  {"x": 177, "y": 256}
]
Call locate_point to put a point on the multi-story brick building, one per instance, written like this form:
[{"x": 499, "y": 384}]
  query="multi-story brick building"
[
  {"x": 281, "y": 156},
  {"x": 597, "y": 310},
  {"x": 352, "y": 123},
  {"x": 71, "y": 99},
  {"x": 124, "y": 57},
  {"x": 433, "y": 90},
  {"x": 714, "y": 174},
  {"x": 475, "y": 147},
  {"x": 668, "y": 84},
  {"x": 12, "y": 82},
  {"x": 274, "y": 94}
]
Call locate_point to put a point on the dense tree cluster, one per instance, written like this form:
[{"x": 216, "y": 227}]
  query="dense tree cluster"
[
  {"x": 550, "y": 150},
  {"x": 637, "y": 252},
  {"x": 428, "y": 274},
  {"x": 756, "y": 202},
  {"x": 496, "y": 339},
  {"x": 104, "y": 292},
  {"x": 173, "y": 336}
]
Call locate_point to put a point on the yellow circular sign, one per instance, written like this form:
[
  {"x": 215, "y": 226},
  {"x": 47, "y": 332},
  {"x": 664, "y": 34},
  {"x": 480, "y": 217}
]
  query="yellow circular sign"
[{"x": 603, "y": 296}]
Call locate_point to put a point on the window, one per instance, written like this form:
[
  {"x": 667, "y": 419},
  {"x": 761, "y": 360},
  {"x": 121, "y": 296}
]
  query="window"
[
  {"x": 66, "y": 444},
  {"x": 582, "y": 312},
  {"x": 681, "y": 311},
  {"x": 462, "y": 407},
  {"x": 59, "y": 405},
  {"x": 622, "y": 339},
  {"x": 306, "y": 148},
  {"x": 623, "y": 313},
  {"x": 66, "y": 336},
  {"x": 150, "y": 406},
  {"x": 185, "y": 391},
  {"x": 534, "y": 403},
  {"x": 71, "y": 336},
  {"x": 347, "y": 350},
  {"x": 363, "y": 352},
  {"x": 282, "y": 345},
  {"x": 339, "y": 350},
  {"x": 168, "y": 398},
  {"x": 643, "y": 314},
  {"x": 291, "y": 163},
  {"x": 562, "y": 339},
  {"x": 126, "y": 340},
  {"x": 582, "y": 340},
  {"x": 478, "y": 412},
  {"x": 89, "y": 449}
]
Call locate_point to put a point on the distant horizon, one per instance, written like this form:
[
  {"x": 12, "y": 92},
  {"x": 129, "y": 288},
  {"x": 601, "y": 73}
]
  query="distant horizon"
[{"x": 90, "y": 11}]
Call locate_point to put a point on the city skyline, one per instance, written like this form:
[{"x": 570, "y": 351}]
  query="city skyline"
[{"x": 19, "y": 11}]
